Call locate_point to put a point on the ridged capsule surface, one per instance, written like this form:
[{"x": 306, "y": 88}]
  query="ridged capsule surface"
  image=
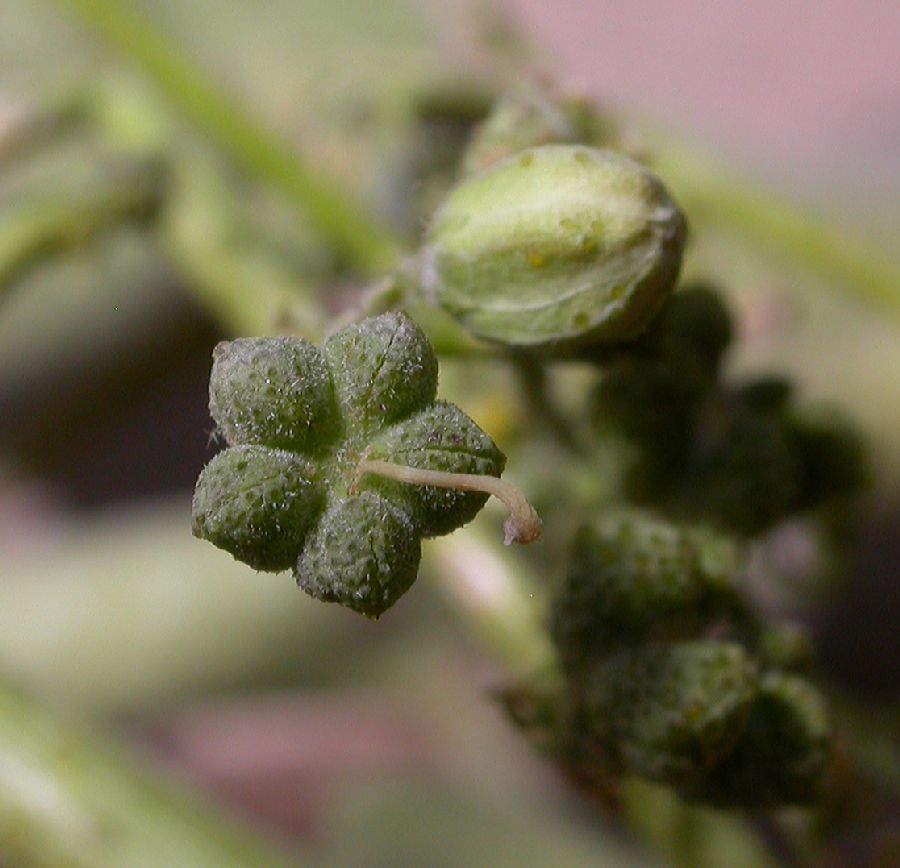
[{"x": 556, "y": 245}]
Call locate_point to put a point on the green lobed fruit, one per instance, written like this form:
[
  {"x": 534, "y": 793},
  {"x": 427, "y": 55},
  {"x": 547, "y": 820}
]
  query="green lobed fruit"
[
  {"x": 635, "y": 577},
  {"x": 364, "y": 554},
  {"x": 781, "y": 754},
  {"x": 298, "y": 419},
  {"x": 383, "y": 370},
  {"x": 559, "y": 245},
  {"x": 671, "y": 712},
  {"x": 275, "y": 391},
  {"x": 259, "y": 504}
]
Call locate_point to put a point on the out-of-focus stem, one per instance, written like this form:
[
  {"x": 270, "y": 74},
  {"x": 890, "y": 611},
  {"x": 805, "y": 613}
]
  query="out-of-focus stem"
[
  {"x": 249, "y": 290},
  {"x": 706, "y": 191},
  {"x": 54, "y": 223},
  {"x": 499, "y": 602},
  {"x": 66, "y": 801},
  {"x": 342, "y": 222}
]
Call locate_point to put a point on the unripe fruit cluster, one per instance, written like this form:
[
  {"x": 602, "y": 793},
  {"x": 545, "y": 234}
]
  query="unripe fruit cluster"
[
  {"x": 740, "y": 457},
  {"x": 656, "y": 693}
]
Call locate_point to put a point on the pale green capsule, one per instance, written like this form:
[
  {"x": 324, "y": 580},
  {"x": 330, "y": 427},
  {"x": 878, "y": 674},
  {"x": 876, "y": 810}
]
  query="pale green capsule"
[{"x": 556, "y": 245}]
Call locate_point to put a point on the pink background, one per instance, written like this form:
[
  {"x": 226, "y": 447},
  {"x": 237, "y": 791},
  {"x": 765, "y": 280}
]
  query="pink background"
[{"x": 806, "y": 88}]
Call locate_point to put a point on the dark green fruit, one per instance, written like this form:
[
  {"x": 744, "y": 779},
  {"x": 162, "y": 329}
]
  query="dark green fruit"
[
  {"x": 671, "y": 712},
  {"x": 633, "y": 578},
  {"x": 782, "y": 752},
  {"x": 298, "y": 421},
  {"x": 364, "y": 554},
  {"x": 258, "y": 504}
]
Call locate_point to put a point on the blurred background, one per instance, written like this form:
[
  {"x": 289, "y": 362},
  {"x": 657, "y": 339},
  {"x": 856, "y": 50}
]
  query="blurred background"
[{"x": 132, "y": 240}]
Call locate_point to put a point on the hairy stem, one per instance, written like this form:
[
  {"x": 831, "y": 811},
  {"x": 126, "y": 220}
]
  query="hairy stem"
[
  {"x": 523, "y": 525},
  {"x": 342, "y": 223}
]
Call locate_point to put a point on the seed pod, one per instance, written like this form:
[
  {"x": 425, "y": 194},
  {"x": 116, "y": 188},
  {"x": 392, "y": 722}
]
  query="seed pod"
[
  {"x": 275, "y": 391},
  {"x": 300, "y": 421},
  {"x": 560, "y": 245},
  {"x": 444, "y": 438},
  {"x": 670, "y": 712},
  {"x": 383, "y": 368},
  {"x": 364, "y": 554}
]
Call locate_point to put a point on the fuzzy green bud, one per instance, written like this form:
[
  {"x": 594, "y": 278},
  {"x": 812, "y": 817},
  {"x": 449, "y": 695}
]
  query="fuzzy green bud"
[
  {"x": 633, "y": 578},
  {"x": 557, "y": 245},
  {"x": 671, "y": 712}
]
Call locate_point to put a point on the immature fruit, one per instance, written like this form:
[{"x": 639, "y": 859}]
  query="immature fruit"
[
  {"x": 671, "y": 712},
  {"x": 557, "y": 245},
  {"x": 298, "y": 420},
  {"x": 781, "y": 754},
  {"x": 634, "y": 578}
]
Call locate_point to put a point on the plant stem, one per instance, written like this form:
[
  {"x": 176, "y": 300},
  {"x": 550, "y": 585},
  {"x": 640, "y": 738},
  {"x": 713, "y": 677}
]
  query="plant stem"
[
  {"x": 342, "y": 223},
  {"x": 63, "y": 220},
  {"x": 67, "y": 801},
  {"x": 708, "y": 192},
  {"x": 523, "y": 525},
  {"x": 532, "y": 376}
]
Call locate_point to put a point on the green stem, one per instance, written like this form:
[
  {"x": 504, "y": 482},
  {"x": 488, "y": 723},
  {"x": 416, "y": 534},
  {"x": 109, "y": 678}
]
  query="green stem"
[
  {"x": 258, "y": 151},
  {"x": 532, "y": 376},
  {"x": 64, "y": 220},
  {"x": 68, "y": 801},
  {"x": 250, "y": 291},
  {"x": 707, "y": 192}
]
